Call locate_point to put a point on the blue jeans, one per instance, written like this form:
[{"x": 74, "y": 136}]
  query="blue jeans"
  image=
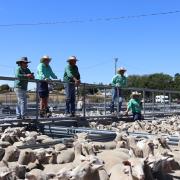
[
  {"x": 115, "y": 95},
  {"x": 21, "y": 107},
  {"x": 70, "y": 97},
  {"x": 137, "y": 116}
]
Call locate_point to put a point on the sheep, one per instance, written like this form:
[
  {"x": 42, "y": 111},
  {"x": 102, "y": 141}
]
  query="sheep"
[
  {"x": 5, "y": 172},
  {"x": 147, "y": 147},
  {"x": 4, "y": 144},
  {"x": 26, "y": 156},
  {"x": 37, "y": 174},
  {"x": 46, "y": 156},
  {"x": 105, "y": 145},
  {"x": 65, "y": 156},
  {"x": 112, "y": 157},
  {"x": 59, "y": 147},
  {"x": 85, "y": 171},
  {"x": 11, "y": 154},
  {"x": 55, "y": 168},
  {"x": 18, "y": 170},
  {"x": 129, "y": 170}
]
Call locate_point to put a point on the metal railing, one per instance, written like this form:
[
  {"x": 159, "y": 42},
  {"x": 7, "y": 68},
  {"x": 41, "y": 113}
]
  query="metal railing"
[{"x": 96, "y": 105}]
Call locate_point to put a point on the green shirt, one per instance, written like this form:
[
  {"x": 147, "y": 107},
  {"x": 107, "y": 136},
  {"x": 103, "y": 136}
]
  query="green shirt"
[
  {"x": 119, "y": 81},
  {"x": 22, "y": 82},
  {"x": 45, "y": 72},
  {"x": 134, "y": 105},
  {"x": 70, "y": 72}
]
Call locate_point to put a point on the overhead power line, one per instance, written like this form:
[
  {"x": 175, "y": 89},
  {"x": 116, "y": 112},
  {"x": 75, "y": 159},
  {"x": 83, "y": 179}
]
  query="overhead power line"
[{"x": 90, "y": 20}]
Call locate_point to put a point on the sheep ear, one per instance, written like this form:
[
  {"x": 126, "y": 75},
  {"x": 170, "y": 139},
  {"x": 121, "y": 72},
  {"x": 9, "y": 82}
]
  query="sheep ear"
[
  {"x": 95, "y": 167},
  {"x": 48, "y": 155},
  {"x": 127, "y": 163},
  {"x": 5, "y": 163},
  {"x": 5, "y": 174},
  {"x": 146, "y": 159}
]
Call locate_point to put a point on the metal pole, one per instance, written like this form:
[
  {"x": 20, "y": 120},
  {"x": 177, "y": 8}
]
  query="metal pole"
[
  {"x": 117, "y": 101},
  {"x": 164, "y": 102},
  {"x": 37, "y": 102},
  {"x": 115, "y": 65},
  {"x": 84, "y": 100},
  {"x": 170, "y": 102},
  {"x": 144, "y": 102},
  {"x": 105, "y": 101},
  {"x": 153, "y": 100}
]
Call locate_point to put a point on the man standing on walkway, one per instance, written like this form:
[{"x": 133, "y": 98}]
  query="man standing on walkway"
[
  {"x": 71, "y": 79},
  {"x": 119, "y": 81},
  {"x": 23, "y": 74},
  {"x": 44, "y": 73}
]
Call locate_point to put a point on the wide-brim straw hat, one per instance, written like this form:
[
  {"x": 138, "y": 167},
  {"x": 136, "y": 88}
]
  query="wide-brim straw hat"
[
  {"x": 23, "y": 59},
  {"x": 135, "y": 93},
  {"x": 72, "y": 58},
  {"x": 46, "y": 57},
  {"x": 121, "y": 69}
]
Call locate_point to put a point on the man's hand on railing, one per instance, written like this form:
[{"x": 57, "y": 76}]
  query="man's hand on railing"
[
  {"x": 126, "y": 113},
  {"x": 77, "y": 82},
  {"x": 30, "y": 76},
  {"x": 47, "y": 79}
]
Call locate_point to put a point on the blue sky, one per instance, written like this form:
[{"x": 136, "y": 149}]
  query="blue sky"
[{"x": 143, "y": 45}]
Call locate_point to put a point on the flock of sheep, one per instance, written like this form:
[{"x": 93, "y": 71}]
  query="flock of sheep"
[{"x": 126, "y": 157}]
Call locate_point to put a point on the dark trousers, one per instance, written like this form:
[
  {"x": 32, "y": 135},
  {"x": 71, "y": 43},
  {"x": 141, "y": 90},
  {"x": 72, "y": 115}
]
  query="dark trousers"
[
  {"x": 137, "y": 116},
  {"x": 70, "y": 97},
  {"x": 115, "y": 92}
]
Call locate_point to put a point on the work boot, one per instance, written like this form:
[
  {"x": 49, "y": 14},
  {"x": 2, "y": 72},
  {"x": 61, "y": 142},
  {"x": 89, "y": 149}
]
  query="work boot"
[
  {"x": 72, "y": 114},
  {"x": 48, "y": 112},
  {"x": 42, "y": 113}
]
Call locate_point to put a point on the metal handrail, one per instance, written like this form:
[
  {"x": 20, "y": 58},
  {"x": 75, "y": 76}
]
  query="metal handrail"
[
  {"x": 86, "y": 85},
  {"x": 94, "y": 85}
]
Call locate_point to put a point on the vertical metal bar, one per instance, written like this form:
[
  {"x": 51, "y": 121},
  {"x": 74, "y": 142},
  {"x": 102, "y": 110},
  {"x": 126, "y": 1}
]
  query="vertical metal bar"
[
  {"x": 6, "y": 99},
  {"x": 153, "y": 101},
  {"x": 37, "y": 102},
  {"x": 84, "y": 100},
  {"x": 144, "y": 98},
  {"x": 117, "y": 101},
  {"x": 105, "y": 101},
  {"x": 115, "y": 65},
  {"x": 170, "y": 102},
  {"x": 164, "y": 106}
]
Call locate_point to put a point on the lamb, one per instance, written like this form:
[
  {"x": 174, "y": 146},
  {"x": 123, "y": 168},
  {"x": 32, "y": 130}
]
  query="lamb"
[
  {"x": 129, "y": 170},
  {"x": 59, "y": 147},
  {"x": 86, "y": 170},
  {"x": 147, "y": 147},
  {"x": 37, "y": 174},
  {"x": 112, "y": 157},
  {"x": 26, "y": 156},
  {"x": 18, "y": 170},
  {"x": 46, "y": 156},
  {"x": 11, "y": 154},
  {"x": 65, "y": 156}
]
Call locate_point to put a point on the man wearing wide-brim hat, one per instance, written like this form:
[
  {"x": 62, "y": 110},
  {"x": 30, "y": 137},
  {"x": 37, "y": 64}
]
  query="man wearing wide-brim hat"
[
  {"x": 135, "y": 105},
  {"x": 23, "y": 74},
  {"x": 71, "y": 79},
  {"x": 44, "y": 73},
  {"x": 118, "y": 82}
]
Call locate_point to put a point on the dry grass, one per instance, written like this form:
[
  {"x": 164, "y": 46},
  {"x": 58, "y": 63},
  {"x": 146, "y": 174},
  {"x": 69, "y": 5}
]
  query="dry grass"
[{"x": 55, "y": 97}]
